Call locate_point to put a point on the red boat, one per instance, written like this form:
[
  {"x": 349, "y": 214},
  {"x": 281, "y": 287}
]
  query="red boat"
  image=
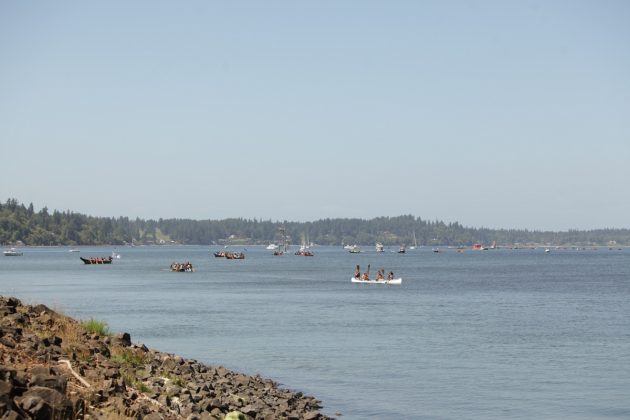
[{"x": 303, "y": 252}]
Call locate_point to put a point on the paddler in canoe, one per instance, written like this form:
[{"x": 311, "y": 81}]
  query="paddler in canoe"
[{"x": 366, "y": 275}]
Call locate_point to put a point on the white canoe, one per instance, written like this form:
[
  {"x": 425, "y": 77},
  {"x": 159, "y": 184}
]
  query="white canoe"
[{"x": 393, "y": 281}]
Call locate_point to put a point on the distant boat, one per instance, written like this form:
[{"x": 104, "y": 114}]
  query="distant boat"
[
  {"x": 304, "y": 248},
  {"x": 272, "y": 246},
  {"x": 304, "y": 252},
  {"x": 115, "y": 255},
  {"x": 380, "y": 247},
  {"x": 355, "y": 249},
  {"x": 401, "y": 250},
  {"x": 12, "y": 252},
  {"x": 278, "y": 251},
  {"x": 547, "y": 250},
  {"x": 182, "y": 267},
  {"x": 235, "y": 255},
  {"x": 415, "y": 243},
  {"x": 347, "y": 247},
  {"x": 73, "y": 250},
  {"x": 97, "y": 260},
  {"x": 392, "y": 281}
]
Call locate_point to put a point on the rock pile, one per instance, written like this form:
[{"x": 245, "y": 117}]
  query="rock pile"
[{"x": 53, "y": 367}]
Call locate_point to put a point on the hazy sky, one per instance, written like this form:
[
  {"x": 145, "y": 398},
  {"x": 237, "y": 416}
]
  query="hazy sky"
[{"x": 490, "y": 113}]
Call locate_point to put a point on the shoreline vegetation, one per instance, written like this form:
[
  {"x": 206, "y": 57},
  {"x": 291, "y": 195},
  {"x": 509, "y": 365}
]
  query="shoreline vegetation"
[
  {"x": 53, "y": 366},
  {"x": 22, "y": 225}
]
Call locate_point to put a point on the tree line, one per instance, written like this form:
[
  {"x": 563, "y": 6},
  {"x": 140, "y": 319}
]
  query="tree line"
[{"x": 22, "y": 224}]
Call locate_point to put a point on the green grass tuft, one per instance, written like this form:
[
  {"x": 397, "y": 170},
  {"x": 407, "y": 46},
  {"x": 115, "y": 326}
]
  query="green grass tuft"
[
  {"x": 94, "y": 326},
  {"x": 129, "y": 357}
]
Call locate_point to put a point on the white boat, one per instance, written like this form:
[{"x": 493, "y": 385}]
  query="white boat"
[
  {"x": 355, "y": 249},
  {"x": 272, "y": 246},
  {"x": 392, "y": 281},
  {"x": 379, "y": 247},
  {"x": 73, "y": 250},
  {"x": 347, "y": 247},
  {"x": 12, "y": 252},
  {"x": 115, "y": 255},
  {"x": 415, "y": 242}
]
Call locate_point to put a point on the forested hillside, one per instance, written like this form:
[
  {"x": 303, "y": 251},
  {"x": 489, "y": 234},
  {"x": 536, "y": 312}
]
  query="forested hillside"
[{"x": 20, "y": 223}]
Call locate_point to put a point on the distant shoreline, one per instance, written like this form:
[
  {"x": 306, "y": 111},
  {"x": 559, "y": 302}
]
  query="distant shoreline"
[
  {"x": 366, "y": 246},
  {"x": 21, "y": 223}
]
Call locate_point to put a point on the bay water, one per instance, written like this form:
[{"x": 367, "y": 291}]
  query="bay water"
[{"x": 503, "y": 333}]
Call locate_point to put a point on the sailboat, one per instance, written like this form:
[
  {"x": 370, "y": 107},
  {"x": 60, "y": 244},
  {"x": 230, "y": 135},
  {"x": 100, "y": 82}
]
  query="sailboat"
[
  {"x": 415, "y": 243},
  {"x": 279, "y": 251}
]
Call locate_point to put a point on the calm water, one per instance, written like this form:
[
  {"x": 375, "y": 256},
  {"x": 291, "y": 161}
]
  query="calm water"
[{"x": 476, "y": 335}]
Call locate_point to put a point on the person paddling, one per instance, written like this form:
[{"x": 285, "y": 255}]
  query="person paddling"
[
  {"x": 357, "y": 272},
  {"x": 366, "y": 275}
]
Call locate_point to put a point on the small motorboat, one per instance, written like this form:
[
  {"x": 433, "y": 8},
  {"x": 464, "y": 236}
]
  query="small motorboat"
[
  {"x": 385, "y": 281},
  {"x": 12, "y": 252},
  {"x": 355, "y": 249},
  {"x": 97, "y": 260}
]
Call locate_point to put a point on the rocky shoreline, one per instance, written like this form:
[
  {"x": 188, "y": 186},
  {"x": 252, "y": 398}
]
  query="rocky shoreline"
[{"x": 54, "y": 367}]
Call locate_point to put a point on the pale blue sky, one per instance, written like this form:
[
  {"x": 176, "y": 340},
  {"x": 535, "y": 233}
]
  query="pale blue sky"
[{"x": 490, "y": 113}]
